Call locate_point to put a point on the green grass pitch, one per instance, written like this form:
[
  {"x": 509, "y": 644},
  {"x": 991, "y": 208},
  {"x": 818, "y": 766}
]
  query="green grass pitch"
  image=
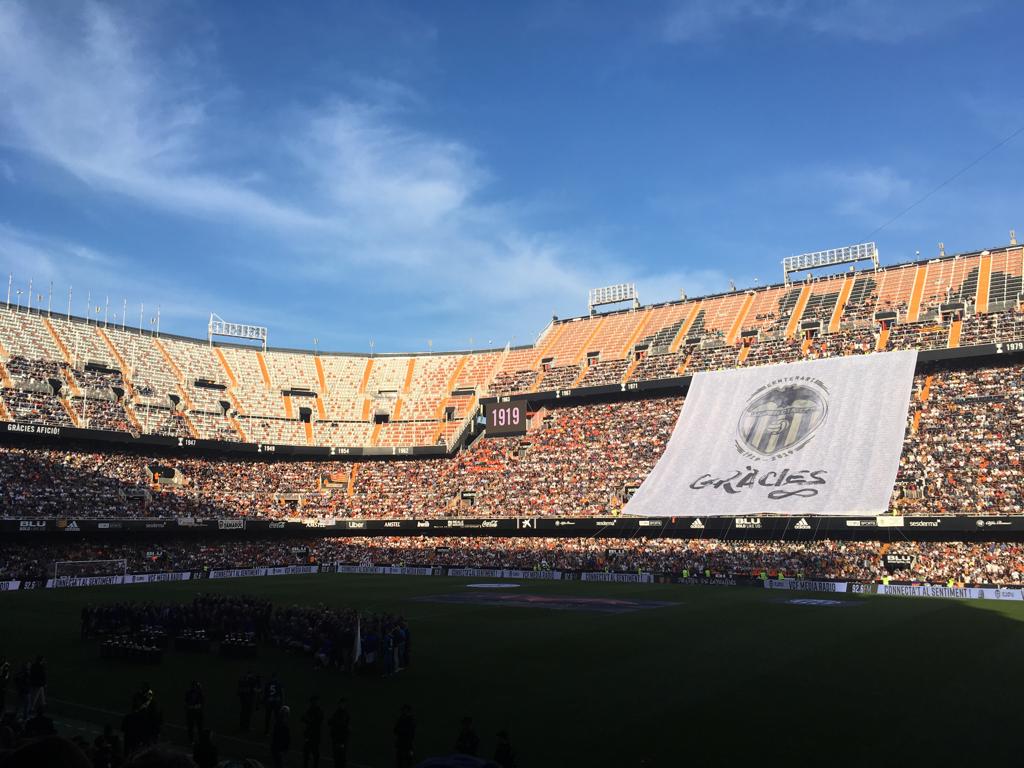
[{"x": 723, "y": 676}]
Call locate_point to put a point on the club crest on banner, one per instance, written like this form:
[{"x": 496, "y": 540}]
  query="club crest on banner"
[
  {"x": 781, "y": 417},
  {"x": 816, "y": 437}
]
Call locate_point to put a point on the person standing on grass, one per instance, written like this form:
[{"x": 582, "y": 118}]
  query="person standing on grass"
[
  {"x": 23, "y": 690},
  {"x": 405, "y": 654},
  {"x": 273, "y": 700},
  {"x": 5, "y": 679},
  {"x": 39, "y": 725},
  {"x": 468, "y": 743},
  {"x": 503, "y": 753},
  {"x": 107, "y": 752},
  {"x": 37, "y": 678},
  {"x": 194, "y": 701},
  {"x": 147, "y": 719},
  {"x": 339, "y": 725},
  {"x": 205, "y": 751},
  {"x": 248, "y": 689},
  {"x": 405, "y": 736},
  {"x": 281, "y": 738},
  {"x": 313, "y": 721}
]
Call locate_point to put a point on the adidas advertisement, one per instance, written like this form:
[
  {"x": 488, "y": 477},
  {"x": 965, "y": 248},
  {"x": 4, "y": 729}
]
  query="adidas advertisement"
[{"x": 818, "y": 437}]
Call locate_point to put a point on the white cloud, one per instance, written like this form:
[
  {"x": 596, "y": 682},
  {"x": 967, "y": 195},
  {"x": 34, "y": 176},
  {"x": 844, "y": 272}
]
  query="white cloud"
[
  {"x": 879, "y": 21},
  {"x": 93, "y": 104},
  {"x": 867, "y": 193},
  {"x": 42, "y": 260},
  {"x": 384, "y": 175},
  {"x": 701, "y": 19},
  {"x": 370, "y": 211}
]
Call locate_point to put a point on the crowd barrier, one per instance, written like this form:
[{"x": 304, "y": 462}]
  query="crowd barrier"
[
  {"x": 285, "y": 570},
  {"x": 504, "y": 573},
  {"x": 628, "y": 578},
  {"x": 932, "y": 590},
  {"x": 128, "y": 578},
  {"x": 803, "y": 585},
  {"x": 382, "y": 570},
  {"x": 956, "y": 592},
  {"x": 900, "y": 590}
]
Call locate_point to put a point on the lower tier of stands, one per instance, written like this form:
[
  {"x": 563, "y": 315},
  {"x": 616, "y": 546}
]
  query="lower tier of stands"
[{"x": 990, "y": 563}]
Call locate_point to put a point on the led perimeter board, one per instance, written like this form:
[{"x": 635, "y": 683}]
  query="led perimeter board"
[{"x": 506, "y": 418}]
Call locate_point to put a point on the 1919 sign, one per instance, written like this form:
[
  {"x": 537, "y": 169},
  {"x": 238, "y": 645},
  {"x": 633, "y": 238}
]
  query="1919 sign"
[{"x": 506, "y": 418}]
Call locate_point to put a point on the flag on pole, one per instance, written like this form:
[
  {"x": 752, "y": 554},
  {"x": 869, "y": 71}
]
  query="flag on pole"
[{"x": 357, "y": 643}]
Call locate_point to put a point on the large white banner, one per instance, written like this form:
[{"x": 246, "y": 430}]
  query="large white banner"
[{"x": 816, "y": 437}]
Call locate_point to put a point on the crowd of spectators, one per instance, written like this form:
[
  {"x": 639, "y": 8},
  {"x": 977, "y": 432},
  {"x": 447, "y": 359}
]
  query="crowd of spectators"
[
  {"x": 516, "y": 381},
  {"x": 990, "y": 328},
  {"x": 577, "y": 462},
  {"x": 713, "y": 358},
  {"x": 32, "y": 371},
  {"x": 32, "y": 405},
  {"x": 108, "y": 402},
  {"x": 604, "y": 372},
  {"x": 962, "y": 455},
  {"x": 975, "y": 563},
  {"x": 923, "y": 335},
  {"x": 856, "y": 341}
]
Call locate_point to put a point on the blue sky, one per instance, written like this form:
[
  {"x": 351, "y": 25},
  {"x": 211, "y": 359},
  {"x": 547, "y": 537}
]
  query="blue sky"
[{"x": 438, "y": 172}]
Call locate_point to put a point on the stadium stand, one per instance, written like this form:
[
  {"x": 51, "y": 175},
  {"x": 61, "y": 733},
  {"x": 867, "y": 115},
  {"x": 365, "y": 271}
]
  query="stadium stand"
[
  {"x": 578, "y": 462},
  {"x": 962, "y": 455},
  {"x": 970, "y": 563},
  {"x": 65, "y": 371}
]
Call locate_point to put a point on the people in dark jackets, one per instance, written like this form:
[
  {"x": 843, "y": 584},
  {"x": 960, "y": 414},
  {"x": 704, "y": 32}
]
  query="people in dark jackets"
[
  {"x": 37, "y": 679},
  {"x": 280, "y": 738},
  {"x": 339, "y": 727},
  {"x": 468, "y": 743},
  {"x": 273, "y": 700},
  {"x": 204, "y": 753},
  {"x": 312, "y": 721},
  {"x": 405, "y": 737},
  {"x": 503, "y": 752},
  {"x": 248, "y": 690},
  {"x": 195, "y": 702}
]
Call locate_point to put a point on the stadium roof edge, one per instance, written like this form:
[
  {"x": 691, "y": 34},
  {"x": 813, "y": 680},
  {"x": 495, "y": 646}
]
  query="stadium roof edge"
[
  {"x": 691, "y": 299},
  {"x": 483, "y": 350},
  {"x": 237, "y": 345}
]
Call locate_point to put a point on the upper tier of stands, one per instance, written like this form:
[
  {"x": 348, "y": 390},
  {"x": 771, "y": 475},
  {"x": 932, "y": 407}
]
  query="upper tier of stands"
[{"x": 72, "y": 372}]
